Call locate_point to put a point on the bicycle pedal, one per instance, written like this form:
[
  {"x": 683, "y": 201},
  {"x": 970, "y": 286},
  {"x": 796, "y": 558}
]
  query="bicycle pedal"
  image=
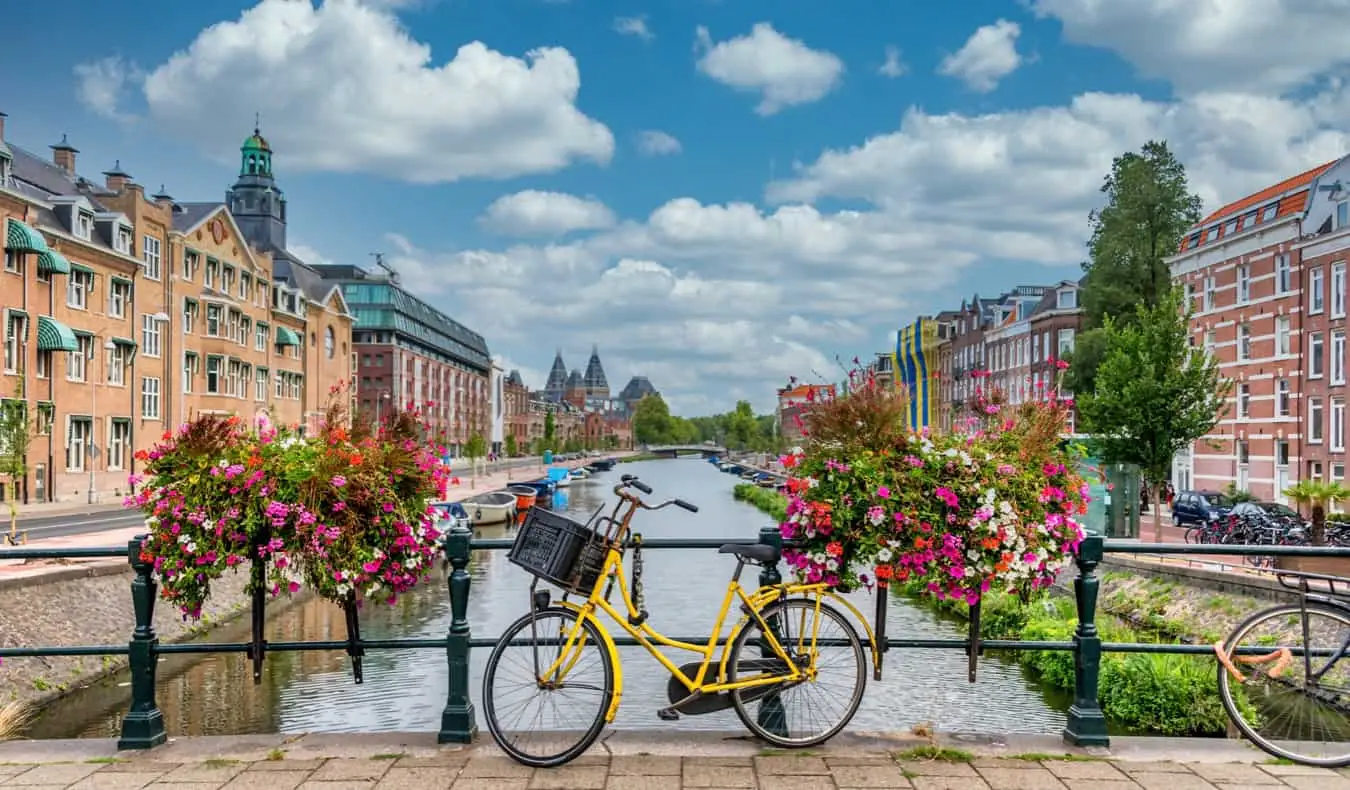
[{"x": 668, "y": 714}]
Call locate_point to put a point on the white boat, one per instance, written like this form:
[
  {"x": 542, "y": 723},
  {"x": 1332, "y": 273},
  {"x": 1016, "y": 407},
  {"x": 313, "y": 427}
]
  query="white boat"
[
  {"x": 492, "y": 507},
  {"x": 580, "y": 473}
]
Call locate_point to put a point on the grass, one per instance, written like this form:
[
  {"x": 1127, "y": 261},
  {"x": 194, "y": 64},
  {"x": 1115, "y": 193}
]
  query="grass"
[
  {"x": 766, "y": 500},
  {"x": 936, "y": 753},
  {"x": 1040, "y": 757},
  {"x": 15, "y": 718}
]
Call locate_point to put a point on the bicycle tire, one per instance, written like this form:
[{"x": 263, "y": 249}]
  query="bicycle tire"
[
  {"x": 590, "y": 734},
  {"x": 740, "y": 699},
  {"x": 1193, "y": 535},
  {"x": 1230, "y": 705}
]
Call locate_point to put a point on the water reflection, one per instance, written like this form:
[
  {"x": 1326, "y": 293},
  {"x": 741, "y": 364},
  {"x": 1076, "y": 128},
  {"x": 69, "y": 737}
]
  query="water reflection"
[{"x": 405, "y": 690}]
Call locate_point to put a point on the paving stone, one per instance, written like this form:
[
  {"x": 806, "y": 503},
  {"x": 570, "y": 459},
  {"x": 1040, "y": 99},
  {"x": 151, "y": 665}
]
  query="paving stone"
[
  {"x": 701, "y": 774},
  {"x": 1101, "y": 784},
  {"x": 868, "y": 775},
  {"x": 351, "y": 770},
  {"x": 1233, "y": 774},
  {"x": 60, "y": 774},
  {"x": 570, "y": 777},
  {"x": 495, "y": 768},
  {"x": 1282, "y": 770},
  {"x": 797, "y": 782},
  {"x": 1171, "y": 781},
  {"x": 790, "y": 765},
  {"x": 1329, "y": 781},
  {"x": 1150, "y": 767},
  {"x": 1080, "y": 769},
  {"x": 286, "y": 765},
  {"x": 1021, "y": 779},
  {"x": 267, "y": 780},
  {"x": 6, "y": 771},
  {"x": 643, "y": 765},
  {"x": 949, "y": 783},
  {"x": 429, "y": 778},
  {"x": 635, "y": 782},
  {"x": 116, "y": 781},
  {"x": 354, "y": 784},
  {"x": 859, "y": 759},
  {"x": 489, "y": 783},
  {"x": 454, "y": 760},
  {"x": 203, "y": 773},
  {"x": 138, "y": 767},
  {"x": 937, "y": 768}
]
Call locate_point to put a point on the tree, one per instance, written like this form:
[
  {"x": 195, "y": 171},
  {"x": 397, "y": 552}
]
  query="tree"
[
  {"x": 550, "y": 427},
  {"x": 1155, "y": 394},
  {"x": 475, "y": 449},
  {"x": 742, "y": 428},
  {"x": 1317, "y": 494},
  {"x": 652, "y": 421},
  {"x": 16, "y": 434},
  {"x": 510, "y": 445},
  {"x": 1149, "y": 207}
]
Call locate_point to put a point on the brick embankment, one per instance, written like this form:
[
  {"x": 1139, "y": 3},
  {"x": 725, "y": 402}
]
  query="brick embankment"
[{"x": 398, "y": 762}]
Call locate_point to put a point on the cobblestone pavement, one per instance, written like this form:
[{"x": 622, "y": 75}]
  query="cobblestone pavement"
[{"x": 479, "y": 770}]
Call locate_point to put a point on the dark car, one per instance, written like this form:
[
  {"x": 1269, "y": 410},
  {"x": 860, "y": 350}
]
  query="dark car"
[
  {"x": 1269, "y": 512},
  {"x": 1199, "y": 507}
]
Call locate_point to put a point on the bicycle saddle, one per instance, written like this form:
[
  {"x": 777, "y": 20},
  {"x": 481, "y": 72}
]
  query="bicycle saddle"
[{"x": 762, "y": 553}]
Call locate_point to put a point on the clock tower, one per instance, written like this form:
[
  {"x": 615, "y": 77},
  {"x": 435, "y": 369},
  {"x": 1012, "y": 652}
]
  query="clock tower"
[{"x": 258, "y": 205}]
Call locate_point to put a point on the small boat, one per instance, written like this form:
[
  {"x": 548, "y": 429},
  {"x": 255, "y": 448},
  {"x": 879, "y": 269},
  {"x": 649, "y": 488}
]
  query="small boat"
[
  {"x": 580, "y": 473},
  {"x": 543, "y": 487},
  {"x": 493, "y": 507},
  {"x": 560, "y": 475},
  {"x": 448, "y": 516},
  {"x": 525, "y": 496},
  {"x": 603, "y": 465}
]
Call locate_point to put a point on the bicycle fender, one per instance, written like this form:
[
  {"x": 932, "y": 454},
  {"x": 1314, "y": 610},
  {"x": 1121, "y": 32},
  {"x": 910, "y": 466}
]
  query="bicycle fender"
[{"x": 610, "y": 648}]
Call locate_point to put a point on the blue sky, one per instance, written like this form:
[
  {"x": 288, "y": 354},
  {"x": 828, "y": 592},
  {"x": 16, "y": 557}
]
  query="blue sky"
[{"x": 720, "y": 193}]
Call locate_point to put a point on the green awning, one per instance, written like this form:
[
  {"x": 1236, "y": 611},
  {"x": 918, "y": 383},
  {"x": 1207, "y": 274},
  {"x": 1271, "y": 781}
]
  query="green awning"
[
  {"x": 117, "y": 278},
  {"x": 53, "y": 262},
  {"x": 23, "y": 238},
  {"x": 80, "y": 267},
  {"x": 123, "y": 341},
  {"x": 287, "y": 337},
  {"x": 16, "y": 311},
  {"x": 55, "y": 336}
]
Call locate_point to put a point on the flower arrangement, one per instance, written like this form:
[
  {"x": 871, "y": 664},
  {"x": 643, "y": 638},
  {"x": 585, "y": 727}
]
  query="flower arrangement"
[{"x": 992, "y": 504}]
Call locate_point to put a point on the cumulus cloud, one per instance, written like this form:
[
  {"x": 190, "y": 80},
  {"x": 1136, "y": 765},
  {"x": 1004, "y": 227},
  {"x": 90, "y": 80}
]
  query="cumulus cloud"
[
  {"x": 103, "y": 84},
  {"x": 892, "y": 66},
  {"x": 635, "y": 26},
  {"x": 989, "y": 55},
  {"x": 535, "y": 213},
  {"x": 347, "y": 89},
  {"x": 784, "y": 71},
  {"x": 654, "y": 142}
]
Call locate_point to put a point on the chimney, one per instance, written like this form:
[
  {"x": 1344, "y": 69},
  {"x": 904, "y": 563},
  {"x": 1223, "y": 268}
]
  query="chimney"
[
  {"x": 2, "y": 126},
  {"x": 63, "y": 155},
  {"x": 116, "y": 177},
  {"x": 162, "y": 198}
]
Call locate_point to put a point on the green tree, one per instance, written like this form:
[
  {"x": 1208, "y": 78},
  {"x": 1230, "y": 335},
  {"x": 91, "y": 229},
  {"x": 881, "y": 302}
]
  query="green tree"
[
  {"x": 1155, "y": 394},
  {"x": 651, "y": 420},
  {"x": 572, "y": 445},
  {"x": 16, "y": 434},
  {"x": 1149, "y": 207},
  {"x": 550, "y": 428},
  {"x": 1317, "y": 495},
  {"x": 475, "y": 449},
  {"x": 510, "y": 445},
  {"x": 742, "y": 428}
]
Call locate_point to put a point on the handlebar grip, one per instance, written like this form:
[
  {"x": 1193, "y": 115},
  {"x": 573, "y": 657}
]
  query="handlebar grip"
[
  {"x": 639, "y": 485},
  {"x": 686, "y": 505}
]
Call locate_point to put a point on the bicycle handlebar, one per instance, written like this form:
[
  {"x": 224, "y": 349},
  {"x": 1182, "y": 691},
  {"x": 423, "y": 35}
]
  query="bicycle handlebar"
[{"x": 632, "y": 481}]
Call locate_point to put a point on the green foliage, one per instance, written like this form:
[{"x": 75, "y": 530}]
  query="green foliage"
[
  {"x": 572, "y": 445},
  {"x": 767, "y": 500},
  {"x": 550, "y": 428},
  {"x": 510, "y": 445},
  {"x": 1317, "y": 495},
  {"x": 476, "y": 447},
  {"x": 652, "y": 421},
  {"x": 1236, "y": 496}
]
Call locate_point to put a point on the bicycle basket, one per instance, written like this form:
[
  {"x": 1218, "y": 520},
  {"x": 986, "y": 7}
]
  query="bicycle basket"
[{"x": 560, "y": 551}]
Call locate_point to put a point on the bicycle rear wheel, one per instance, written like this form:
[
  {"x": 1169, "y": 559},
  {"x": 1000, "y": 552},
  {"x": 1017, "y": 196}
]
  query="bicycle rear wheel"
[
  {"x": 1297, "y": 708},
  {"x": 811, "y": 711},
  {"x": 521, "y": 698}
]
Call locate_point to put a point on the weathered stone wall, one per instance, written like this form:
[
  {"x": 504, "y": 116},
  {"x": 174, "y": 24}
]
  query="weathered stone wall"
[{"x": 89, "y": 605}]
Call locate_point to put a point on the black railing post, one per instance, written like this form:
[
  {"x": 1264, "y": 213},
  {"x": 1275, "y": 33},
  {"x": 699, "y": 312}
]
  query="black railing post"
[
  {"x": 143, "y": 726},
  {"x": 771, "y": 716},
  {"x": 1087, "y": 725},
  {"x": 457, "y": 720}
]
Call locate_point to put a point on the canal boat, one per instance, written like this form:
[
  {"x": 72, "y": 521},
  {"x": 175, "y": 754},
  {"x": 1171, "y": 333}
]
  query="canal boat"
[
  {"x": 449, "y": 515},
  {"x": 493, "y": 507},
  {"x": 525, "y": 496},
  {"x": 543, "y": 488},
  {"x": 603, "y": 465},
  {"x": 560, "y": 475},
  {"x": 580, "y": 473}
]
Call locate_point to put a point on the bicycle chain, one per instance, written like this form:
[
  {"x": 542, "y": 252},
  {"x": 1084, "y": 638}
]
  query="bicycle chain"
[{"x": 639, "y": 600}]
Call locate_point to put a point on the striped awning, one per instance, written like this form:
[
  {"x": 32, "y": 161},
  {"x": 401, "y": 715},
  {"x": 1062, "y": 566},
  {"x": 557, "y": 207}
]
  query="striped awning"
[
  {"x": 53, "y": 262},
  {"x": 287, "y": 337},
  {"x": 54, "y": 335},
  {"x": 23, "y": 238}
]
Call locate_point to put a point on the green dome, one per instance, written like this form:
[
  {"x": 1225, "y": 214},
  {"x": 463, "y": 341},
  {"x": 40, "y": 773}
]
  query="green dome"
[{"x": 256, "y": 142}]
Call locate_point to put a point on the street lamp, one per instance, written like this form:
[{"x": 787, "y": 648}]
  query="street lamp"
[
  {"x": 378, "y": 401},
  {"x": 108, "y": 345}
]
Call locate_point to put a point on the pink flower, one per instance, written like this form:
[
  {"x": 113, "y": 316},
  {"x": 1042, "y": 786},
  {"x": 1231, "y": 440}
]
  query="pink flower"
[{"x": 883, "y": 492}]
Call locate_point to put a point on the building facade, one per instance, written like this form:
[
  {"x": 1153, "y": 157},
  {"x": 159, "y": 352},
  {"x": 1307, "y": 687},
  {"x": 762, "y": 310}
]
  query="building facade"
[
  {"x": 793, "y": 402},
  {"x": 916, "y": 363}
]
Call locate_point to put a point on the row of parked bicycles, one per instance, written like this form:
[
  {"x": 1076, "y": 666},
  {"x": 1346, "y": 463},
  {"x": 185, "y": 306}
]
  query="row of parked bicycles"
[{"x": 1256, "y": 524}]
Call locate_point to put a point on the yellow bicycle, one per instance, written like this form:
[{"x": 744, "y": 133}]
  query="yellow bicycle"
[{"x": 792, "y": 667}]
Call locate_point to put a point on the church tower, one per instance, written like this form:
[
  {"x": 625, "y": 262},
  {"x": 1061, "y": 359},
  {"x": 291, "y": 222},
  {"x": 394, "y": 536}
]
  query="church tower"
[{"x": 255, "y": 201}]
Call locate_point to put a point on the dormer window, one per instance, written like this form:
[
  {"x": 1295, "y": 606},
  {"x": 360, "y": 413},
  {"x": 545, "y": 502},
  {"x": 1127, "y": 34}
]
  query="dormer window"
[
  {"x": 1342, "y": 214},
  {"x": 1067, "y": 299},
  {"x": 1268, "y": 213},
  {"x": 84, "y": 225},
  {"x": 1230, "y": 227},
  {"x": 122, "y": 242},
  {"x": 5, "y": 171}
]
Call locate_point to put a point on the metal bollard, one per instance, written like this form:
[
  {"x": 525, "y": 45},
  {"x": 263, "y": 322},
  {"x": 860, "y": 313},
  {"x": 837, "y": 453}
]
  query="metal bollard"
[
  {"x": 143, "y": 726},
  {"x": 458, "y": 723},
  {"x": 1087, "y": 724},
  {"x": 771, "y": 716}
]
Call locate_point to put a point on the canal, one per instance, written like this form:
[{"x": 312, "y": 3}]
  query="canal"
[{"x": 405, "y": 690}]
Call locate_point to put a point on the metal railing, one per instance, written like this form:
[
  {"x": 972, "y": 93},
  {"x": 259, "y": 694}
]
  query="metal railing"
[{"x": 143, "y": 725}]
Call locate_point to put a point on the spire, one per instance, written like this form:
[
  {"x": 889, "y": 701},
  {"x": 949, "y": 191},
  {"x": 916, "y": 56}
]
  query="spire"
[
  {"x": 255, "y": 155},
  {"x": 594, "y": 378},
  {"x": 557, "y": 378}
]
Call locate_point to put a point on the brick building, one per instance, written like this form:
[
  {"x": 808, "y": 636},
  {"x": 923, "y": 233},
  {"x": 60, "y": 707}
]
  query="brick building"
[
  {"x": 1055, "y": 323},
  {"x": 792, "y": 401}
]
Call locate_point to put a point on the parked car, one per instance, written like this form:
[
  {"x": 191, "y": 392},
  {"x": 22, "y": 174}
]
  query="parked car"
[{"x": 1199, "y": 507}]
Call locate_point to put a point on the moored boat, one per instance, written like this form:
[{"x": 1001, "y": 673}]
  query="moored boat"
[
  {"x": 543, "y": 488},
  {"x": 579, "y": 474},
  {"x": 493, "y": 507},
  {"x": 603, "y": 465},
  {"x": 525, "y": 496},
  {"x": 450, "y": 515},
  {"x": 560, "y": 475}
]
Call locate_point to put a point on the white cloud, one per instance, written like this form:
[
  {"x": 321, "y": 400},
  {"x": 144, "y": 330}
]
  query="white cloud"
[
  {"x": 101, "y": 85},
  {"x": 345, "y": 88},
  {"x": 784, "y": 71},
  {"x": 654, "y": 142},
  {"x": 892, "y": 67},
  {"x": 534, "y": 213},
  {"x": 987, "y": 57},
  {"x": 635, "y": 26}
]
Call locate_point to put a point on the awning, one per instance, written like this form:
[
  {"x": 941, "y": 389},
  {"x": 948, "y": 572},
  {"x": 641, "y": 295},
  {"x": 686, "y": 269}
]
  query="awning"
[
  {"x": 124, "y": 341},
  {"x": 53, "y": 262},
  {"x": 117, "y": 278},
  {"x": 16, "y": 311},
  {"x": 23, "y": 238},
  {"x": 80, "y": 267},
  {"x": 55, "y": 336},
  {"x": 287, "y": 337}
]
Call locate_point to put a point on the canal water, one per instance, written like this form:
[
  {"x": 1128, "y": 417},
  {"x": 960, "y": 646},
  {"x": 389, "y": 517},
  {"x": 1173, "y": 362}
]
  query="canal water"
[{"x": 405, "y": 690}]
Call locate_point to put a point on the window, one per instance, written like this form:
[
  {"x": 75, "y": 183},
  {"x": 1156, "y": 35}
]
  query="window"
[
  {"x": 189, "y": 370},
  {"x": 227, "y": 279},
  {"x": 1244, "y": 401},
  {"x": 117, "y": 365},
  {"x": 1268, "y": 213},
  {"x": 190, "y": 263},
  {"x": 78, "y": 360},
  {"x": 150, "y": 335},
  {"x": 280, "y": 389},
  {"x": 16, "y": 332},
  {"x": 1211, "y": 338},
  {"x": 213, "y": 375},
  {"x": 245, "y": 285},
  {"x": 12, "y": 262},
  {"x": 78, "y": 431},
  {"x": 330, "y": 341},
  {"x": 1282, "y": 407},
  {"x": 1230, "y": 227},
  {"x": 150, "y": 397},
  {"x": 1338, "y": 289},
  {"x": 1244, "y": 281},
  {"x": 260, "y": 337},
  {"x": 44, "y": 364},
  {"x": 1283, "y": 274},
  {"x": 1338, "y": 356},
  {"x": 1316, "y": 294},
  {"x": 233, "y": 387},
  {"x": 1281, "y": 335},
  {"x": 1065, "y": 341},
  {"x": 212, "y": 320},
  {"x": 151, "y": 256},
  {"x": 123, "y": 242},
  {"x": 1343, "y": 214},
  {"x": 84, "y": 225},
  {"x": 119, "y": 443},
  {"x": 1067, "y": 299},
  {"x": 1244, "y": 342},
  {"x": 119, "y": 294},
  {"x": 260, "y": 385},
  {"x": 212, "y": 271},
  {"x": 1209, "y": 294},
  {"x": 1337, "y": 424},
  {"x": 78, "y": 286},
  {"x": 189, "y": 315},
  {"x": 1315, "y": 420},
  {"x": 1315, "y": 356},
  {"x": 46, "y": 417}
]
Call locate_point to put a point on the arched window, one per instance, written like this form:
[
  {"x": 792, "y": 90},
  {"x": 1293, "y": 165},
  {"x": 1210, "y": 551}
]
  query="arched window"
[{"x": 328, "y": 341}]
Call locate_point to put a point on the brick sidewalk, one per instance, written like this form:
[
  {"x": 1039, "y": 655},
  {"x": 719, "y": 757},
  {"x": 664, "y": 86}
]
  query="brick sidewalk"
[{"x": 470, "y": 770}]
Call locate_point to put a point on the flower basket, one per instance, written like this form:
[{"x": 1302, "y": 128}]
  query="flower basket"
[{"x": 344, "y": 513}]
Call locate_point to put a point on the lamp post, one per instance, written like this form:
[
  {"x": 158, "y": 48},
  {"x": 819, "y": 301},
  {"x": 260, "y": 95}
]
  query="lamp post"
[
  {"x": 108, "y": 345},
  {"x": 384, "y": 396}
]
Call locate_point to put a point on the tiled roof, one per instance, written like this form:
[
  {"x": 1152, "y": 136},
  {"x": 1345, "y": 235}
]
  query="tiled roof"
[
  {"x": 1290, "y": 196},
  {"x": 1302, "y": 180}
]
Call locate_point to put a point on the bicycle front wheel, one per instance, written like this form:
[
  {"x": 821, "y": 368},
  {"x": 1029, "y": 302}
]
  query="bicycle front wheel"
[
  {"x": 1293, "y": 704},
  {"x": 824, "y": 644},
  {"x": 547, "y": 686}
]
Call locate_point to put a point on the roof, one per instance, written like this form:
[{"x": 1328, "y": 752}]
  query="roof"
[
  {"x": 804, "y": 390},
  {"x": 1289, "y": 197},
  {"x": 637, "y": 388},
  {"x": 190, "y": 214},
  {"x": 1301, "y": 181}
]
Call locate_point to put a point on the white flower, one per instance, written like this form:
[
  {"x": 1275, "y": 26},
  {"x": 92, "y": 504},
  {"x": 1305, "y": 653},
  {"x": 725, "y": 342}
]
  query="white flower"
[
  {"x": 950, "y": 452},
  {"x": 223, "y": 463},
  {"x": 884, "y": 555},
  {"x": 831, "y": 564},
  {"x": 797, "y": 451}
]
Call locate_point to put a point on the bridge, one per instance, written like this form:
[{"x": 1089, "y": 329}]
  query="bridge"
[{"x": 672, "y": 450}]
